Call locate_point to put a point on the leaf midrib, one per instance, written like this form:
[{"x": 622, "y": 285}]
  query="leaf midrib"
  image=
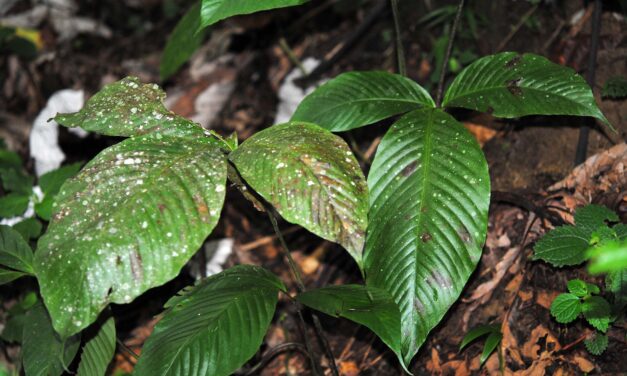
[{"x": 372, "y": 99}]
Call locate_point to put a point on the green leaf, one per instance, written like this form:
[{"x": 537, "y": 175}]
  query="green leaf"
[
  {"x": 7, "y": 276},
  {"x": 16, "y": 318},
  {"x": 374, "y": 308},
  {"x": 214, "y": 327},
  {"x": 564, "y": 245},
  {"x": 10, "y": 160},
  {"x": 15, "y": 180},
  {"x": 312, "y": 178},
  {"x": 355, "y": 99},
  {"x": 429, "y": 198},
  {"x": 99, "y": 350},
  {"x": 578, "y": 287},
  {"x": 597, "y": 311},
  {"x": 621, "y": 231},
  {"x": 565, "y": 308},
  {"x": 593, "y": 289},
  {"x": 127, "y": 222},
  {"x": 51, "y": 182},
  {"x": 15, "y": 253},
  {"x": 616, "y": 283},
  {"x": 615, "y": 88},
  {"x": 590, "y": 217},
  {"x": 44, "y": 208},
  {"x": 490, "y": 345},
  {"x": 597, "y": 344},
  {"x": 511, "y": 85},
  {"x": 30, "y": 228},
  {"x": 13, "y": 204},
  {"x": 182, "y": 43},
  {"x": 127, "y": 108},
  {"x": 213, "y": 11},
  {"x": 608, "y": 257},
  {"x": 43, "y": 352},
  {"x": 477, "y": 332}
]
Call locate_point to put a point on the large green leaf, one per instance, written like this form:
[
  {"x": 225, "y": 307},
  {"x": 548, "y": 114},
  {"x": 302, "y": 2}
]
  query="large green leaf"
[
  {"x": 511, "y": 85},
  {"x": 369, "y": 306},
  {"x": 127, "y": 108},
  {"x": 212, "y": 11},
  {"x": 127, "y": 222},
  {"x": 429, "y": 198},
  {"x": 43, "y": 352},
  {"x": 15, "y": 253},
  {"x": 312, "y": 178},
  {"x": 356, "y": 99},
  {"x": 182, "y": 42},
  {"x": 99, "y": 350},
  {"x": 212, "y": 328},
  {"x": 590, "y": 217}
]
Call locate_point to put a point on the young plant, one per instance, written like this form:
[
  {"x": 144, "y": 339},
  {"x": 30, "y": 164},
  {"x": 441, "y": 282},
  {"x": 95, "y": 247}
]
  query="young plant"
[
  {"x": 493, "y": 338},
  {"x": 570, "y": 245},
  {"x": 138, "y": 211}
]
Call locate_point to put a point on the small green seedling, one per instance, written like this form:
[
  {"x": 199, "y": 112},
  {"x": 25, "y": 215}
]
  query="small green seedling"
[{"x": 494, "y": 337}]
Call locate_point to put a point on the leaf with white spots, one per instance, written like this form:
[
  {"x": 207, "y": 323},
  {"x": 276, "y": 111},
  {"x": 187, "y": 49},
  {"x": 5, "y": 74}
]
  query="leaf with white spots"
[
  {"x": 511, "y": 85},
  {"x": 127, "y": 108},
  {"x": 312, "y": 179},
  {"x": 429, "y": 197},
  {"x": 127, "y": 222}
]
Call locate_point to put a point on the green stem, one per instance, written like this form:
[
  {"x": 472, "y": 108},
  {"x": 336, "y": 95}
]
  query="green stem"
[
  {"x": 447, "y": 56},
  {"x": 400, "y": 51}
]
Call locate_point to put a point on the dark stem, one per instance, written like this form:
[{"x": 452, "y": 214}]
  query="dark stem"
[
  {"x": 582, "y": 143},
  {"x": 400, "y": 52},
  {"x": 284, "y": 347},
  {"x": 447, "y": 56},
  {"x": 301, "y": 288},
  {"x": 127, "y": 349}
]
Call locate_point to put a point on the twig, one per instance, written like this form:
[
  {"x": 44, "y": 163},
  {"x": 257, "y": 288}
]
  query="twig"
[
  {"x": 447, "y": 56},
  {"x": 582, "y": 143},
  {"x": 284, "y": 347},
  {"x": 296, "y": 273},
  {"x": 265, "y": 240},
  {"x": 574, "y": 343},
  {"x": 513, "y": 32},
  {"x": 127, "y": 349},
  {"x": 556, "y": 33},
  {"x": 291, "y": 56},
  {"x": 400, "y": 52}
]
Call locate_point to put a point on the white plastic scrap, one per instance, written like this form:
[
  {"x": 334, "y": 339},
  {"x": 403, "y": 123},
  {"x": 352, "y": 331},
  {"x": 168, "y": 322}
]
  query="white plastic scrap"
[
  {"x": 44, "y": 137},
  {"x": 290, "y": 95}
]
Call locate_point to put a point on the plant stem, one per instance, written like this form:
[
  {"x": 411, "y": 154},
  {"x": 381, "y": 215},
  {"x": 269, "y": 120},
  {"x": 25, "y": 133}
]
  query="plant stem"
[
  {"x": 582, "y": 142},
  {"x": 400, "y": 52},
  {"x": 285, "y": 347},
  {"x": 127, "y": 349},
  {"x": 447, "y": 56},
  {"x": 301, "y": 288}
]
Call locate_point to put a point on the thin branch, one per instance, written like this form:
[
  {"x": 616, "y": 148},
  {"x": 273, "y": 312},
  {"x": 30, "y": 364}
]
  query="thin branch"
[
  {"x": 400, "y": 51},
  {"x": 447, "y": 56},
  {"x": 284, "y": 347},
  {"x": 513, "y": 32},
  {"x": 301, "y": 288},
  {"x": 127, "y": 349},
  {"x": 582, "y": 142}
]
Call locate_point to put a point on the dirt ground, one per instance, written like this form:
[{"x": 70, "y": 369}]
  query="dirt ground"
[{"x": 527, "y": 157}]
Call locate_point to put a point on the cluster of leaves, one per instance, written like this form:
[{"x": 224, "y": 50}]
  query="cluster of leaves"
[
  {"x": 136, "y": 213},
  {"x": 493, "y": 338},
  {"x": 590, "y": 236}
]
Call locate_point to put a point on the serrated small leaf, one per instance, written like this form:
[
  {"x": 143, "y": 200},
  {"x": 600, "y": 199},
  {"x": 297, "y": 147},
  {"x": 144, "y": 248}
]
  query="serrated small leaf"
[
  {"x": 99, "y": 350},
  {"x": 43, "y": 352},
  {"x": 13, "y": 204},
  {"x": 564, "y": 245},
  {"x": 368, "y": 306},
  {"x": 213, "y": 11},
  {"x": 590, "y": 217},
  {"x": 477, "y": 332},
  {"x": 29, "y": 228},
  {"x": 182, "y": 42},
  {"x": 214, "y": 327},
  {"x": 128, "y": 222},
  {"x": 429, "y": 198},
  {"x": 312, "y": 178},
  {"x": 15, "y": 253},
  {"x": 490, "y": 345},
  {"x": 593, "y": 289},
  {"x": 565, "y": 308},
  {"x": 511, "y": 85},
  {"x": 355, "y": 99},
  {"x": 597, "y": 311},
  {"x": 597, "y": 344},
  {"x": 616, "y": 283},
  {"x": 127, "y": 108},
  {"x": 578, "y": 287},
  {"x": 621, "y": 231}
]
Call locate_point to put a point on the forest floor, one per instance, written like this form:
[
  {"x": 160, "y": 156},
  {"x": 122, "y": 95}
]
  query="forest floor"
[{"x": 232, "y": 85}]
